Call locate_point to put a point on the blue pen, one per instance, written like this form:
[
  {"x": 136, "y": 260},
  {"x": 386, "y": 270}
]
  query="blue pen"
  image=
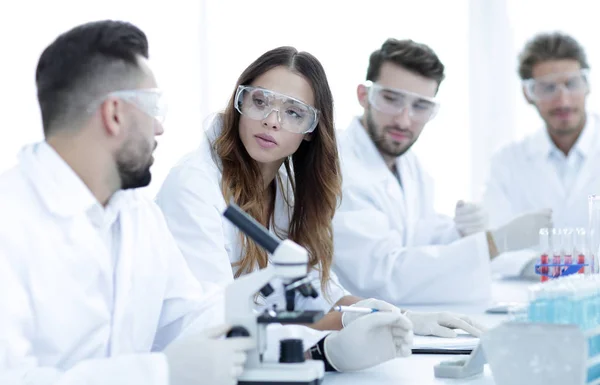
[{"x": 354, "y": 309}]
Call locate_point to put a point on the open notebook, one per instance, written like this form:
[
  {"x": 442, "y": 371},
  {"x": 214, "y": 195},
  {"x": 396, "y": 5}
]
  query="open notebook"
[{"x": 462, "y": 344}]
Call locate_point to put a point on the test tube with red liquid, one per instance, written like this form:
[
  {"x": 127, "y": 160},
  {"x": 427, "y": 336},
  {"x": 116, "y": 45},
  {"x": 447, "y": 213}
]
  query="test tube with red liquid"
[
  {"x": 581, "y": 248},
  {"x": 567, "y": 246},
  {"x": 544, "y": 252},
  {"x": 556, "y": 241},
  {"x": 593, "y": 234}
]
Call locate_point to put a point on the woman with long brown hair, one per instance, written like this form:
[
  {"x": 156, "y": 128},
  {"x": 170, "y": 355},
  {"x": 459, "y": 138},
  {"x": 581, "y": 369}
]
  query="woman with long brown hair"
[{"x": 273, "y": 152}]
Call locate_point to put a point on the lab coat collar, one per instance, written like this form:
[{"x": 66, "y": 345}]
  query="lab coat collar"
[
  {"x": 58, "y": 186},
  {"x": 544, "y": 146},
  {"x": 213, "y": 125},
  {"x": 366, "y": 150},
  {"x": 585, "y": 142}
]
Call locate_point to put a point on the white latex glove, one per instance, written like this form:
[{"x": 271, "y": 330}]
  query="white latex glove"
[
  {"x": 443, "y": 324},
  {"x": 522, "y": 232},
  {"x": 348, "y": 317},
  {"x": 470, "y": 218},
  {"x": 206, "y": 358},
  {"x": 369, "y": 340}
]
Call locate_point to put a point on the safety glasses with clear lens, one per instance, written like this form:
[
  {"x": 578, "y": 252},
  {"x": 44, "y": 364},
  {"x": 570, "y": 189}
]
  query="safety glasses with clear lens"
[
  {"x": 548, "y": 87},
  {"x": 394, "y": 101},
  {"x": 151, "y": 101},
  {"x": 293, "y": 115}
]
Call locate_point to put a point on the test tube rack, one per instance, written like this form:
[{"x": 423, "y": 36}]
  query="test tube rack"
[
  {"x": 542, "y": 354},
  {"x": 565, "y": 269}
]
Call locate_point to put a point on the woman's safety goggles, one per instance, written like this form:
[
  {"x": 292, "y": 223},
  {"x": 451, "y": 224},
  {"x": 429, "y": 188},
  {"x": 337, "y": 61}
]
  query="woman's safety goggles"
[
  {"x": 292, "y": 114},
  {"x": 150, "y": 101},
  {"x": 548, "y": 87},
  {"x": 393, "y": 101}
]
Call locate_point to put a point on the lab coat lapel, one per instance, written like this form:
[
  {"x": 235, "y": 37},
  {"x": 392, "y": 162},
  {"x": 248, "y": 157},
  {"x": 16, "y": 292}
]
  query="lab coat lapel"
[
  {"x": 88, "y": 248},
  {"x": 65, "y": 197},
  {"x": 123, "y": 281},
  {"x": 365, "y": 150},
  {"x": 581, "y": 188},
  {"x": 544, "y": 178},
  {"x": 406, "y": 198},
  {"x": 589, "y": 169}
]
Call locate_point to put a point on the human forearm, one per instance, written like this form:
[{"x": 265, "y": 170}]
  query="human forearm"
[
  {"x": 333, "y": 319},
  {"x": 491, "y": 245}
]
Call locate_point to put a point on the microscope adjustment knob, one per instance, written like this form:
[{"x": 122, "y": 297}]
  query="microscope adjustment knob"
[
  {"x": 267, "y": 290},
  {"x": 238, "y": 331},
  {"x": 291, "y": 351}
]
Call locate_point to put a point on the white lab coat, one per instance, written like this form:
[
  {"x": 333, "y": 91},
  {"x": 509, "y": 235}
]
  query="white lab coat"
[
  {"x": 193, "y": 204},
  {"x": 67, "y": 316},
  {"x": 389, "y": 241},
  {"x": 522, "y": 178}
]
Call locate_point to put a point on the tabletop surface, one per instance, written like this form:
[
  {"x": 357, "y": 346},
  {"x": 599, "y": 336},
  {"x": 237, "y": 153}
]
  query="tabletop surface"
[{"x": 418, "y": 369}]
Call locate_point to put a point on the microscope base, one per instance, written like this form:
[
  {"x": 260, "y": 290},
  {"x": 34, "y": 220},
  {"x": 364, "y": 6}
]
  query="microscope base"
[{"x": 310, "y": 372}]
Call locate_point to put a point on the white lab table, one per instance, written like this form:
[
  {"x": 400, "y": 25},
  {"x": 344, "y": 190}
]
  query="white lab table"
[{"x": 418, "y": 369}]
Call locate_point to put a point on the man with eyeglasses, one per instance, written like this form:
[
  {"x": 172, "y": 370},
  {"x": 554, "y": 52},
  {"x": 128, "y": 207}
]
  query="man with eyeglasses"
[
  {"x": 557, "y": 166},
  {"x": 93, "y": 288},
  {"x": 389, "y": 241}
]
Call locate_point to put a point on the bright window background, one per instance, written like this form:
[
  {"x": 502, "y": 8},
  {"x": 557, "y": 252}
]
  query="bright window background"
[
  {"x": 198, "y": 49},
  {"x": 342, "y": 35},
  {"x": 500, "y": 30},
  {"x": 576, "y": 19},
  {"x": 175, "y": 35}
]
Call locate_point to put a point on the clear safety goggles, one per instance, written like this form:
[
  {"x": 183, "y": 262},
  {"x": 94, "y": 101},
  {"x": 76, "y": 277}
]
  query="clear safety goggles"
[
  {"x": 394, "y": 101},
  {"x": 292, "y": 114},
  {"x": 548, "y": 87},
  {"x": 151, "y": 101}
]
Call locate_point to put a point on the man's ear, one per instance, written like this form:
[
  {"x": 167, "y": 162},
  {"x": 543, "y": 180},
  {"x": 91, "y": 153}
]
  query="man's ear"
[
  {"x": 362, "y": 93},
  {"x": 111, "y": 113}
]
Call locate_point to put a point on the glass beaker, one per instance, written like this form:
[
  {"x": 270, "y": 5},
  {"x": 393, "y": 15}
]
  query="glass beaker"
[{"x": 593, "y": 233}]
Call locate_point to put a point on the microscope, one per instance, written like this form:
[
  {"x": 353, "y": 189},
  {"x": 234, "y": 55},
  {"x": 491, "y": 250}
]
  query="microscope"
[{"x": 289, "y": 263}]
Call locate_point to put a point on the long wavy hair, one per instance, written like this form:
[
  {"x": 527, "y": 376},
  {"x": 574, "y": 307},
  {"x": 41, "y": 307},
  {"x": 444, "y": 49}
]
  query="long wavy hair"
[{"x": 314, "y": 174}]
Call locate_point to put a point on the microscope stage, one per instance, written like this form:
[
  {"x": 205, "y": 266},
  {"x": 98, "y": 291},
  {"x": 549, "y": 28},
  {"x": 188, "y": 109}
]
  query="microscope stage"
[{"x": 291, "y": 317}]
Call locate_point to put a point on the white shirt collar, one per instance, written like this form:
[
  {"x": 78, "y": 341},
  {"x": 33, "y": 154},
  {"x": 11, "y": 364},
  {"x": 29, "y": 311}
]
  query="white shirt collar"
[
  {"x": 62, "y": 190},
  {"x": 583, "y": 146}
]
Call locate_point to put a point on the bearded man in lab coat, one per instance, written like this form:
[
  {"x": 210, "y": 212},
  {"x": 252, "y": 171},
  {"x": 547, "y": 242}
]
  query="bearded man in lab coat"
[
  {"x": 557, "y": 166},
  {"x": 389, "y": 241},
  {"x": 93, "y": 288}
]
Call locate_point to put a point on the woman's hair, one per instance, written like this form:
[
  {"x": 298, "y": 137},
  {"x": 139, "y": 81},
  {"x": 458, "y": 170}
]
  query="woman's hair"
[{"x": 314, "y": 174}]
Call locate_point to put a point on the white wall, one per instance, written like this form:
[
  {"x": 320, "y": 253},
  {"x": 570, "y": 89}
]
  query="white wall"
[
  {"x": 343, "y": 44},
  {"x": 497, "y": 104},
  {"x": 576, "y": 19},
  {"x": 199, "y": 47},
  {"x": 174, "y": 32}
]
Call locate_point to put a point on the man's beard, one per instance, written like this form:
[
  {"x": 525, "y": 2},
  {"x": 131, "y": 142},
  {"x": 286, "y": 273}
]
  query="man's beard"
[
  {"x": 132, "y": 172},
  {"x": 379, "y": 139},
  {"x": 134, "y": 178},
  {"x": 567, "y": 129}
]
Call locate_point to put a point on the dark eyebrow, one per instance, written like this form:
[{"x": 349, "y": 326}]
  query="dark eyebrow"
[
  {"x": 425, "y": 101},
  {"x": 396, "y": 93}
]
